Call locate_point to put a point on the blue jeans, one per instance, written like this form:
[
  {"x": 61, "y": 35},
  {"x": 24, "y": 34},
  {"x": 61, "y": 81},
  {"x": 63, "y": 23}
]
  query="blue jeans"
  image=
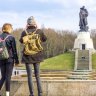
[
  {"x": 37, "y": 76},
  {"x": 6, "y": 67}
]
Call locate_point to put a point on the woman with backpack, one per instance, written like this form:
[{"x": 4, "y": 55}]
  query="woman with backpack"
[
  {"x": 8, "y": 56},
  {"x": 32, "y": 54}
]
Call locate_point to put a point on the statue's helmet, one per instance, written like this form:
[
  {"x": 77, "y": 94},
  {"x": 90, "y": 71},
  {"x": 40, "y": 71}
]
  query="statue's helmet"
[{"x": 83, "y": 7}]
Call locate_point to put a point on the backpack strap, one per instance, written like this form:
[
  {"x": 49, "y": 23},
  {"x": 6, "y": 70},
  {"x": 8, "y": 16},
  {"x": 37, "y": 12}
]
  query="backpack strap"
[
  {"x": 7, "y": 37},
  {"x": 29, "y": 33}
]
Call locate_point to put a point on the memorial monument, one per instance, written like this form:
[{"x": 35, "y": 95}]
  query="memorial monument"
[{"x": 83, "y": 40}]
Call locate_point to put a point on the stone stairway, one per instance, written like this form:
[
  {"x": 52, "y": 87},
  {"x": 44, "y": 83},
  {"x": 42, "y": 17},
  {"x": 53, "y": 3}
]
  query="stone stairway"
[
  {"x": 83, "y": 60},
  {"x": 82, "y": 68},
  {"x": 52, "y": 75},
  {"x": 80, "y": 75}
]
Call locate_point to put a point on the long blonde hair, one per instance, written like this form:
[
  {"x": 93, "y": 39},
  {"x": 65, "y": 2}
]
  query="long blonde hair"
[{"x": 7, "y": 27}]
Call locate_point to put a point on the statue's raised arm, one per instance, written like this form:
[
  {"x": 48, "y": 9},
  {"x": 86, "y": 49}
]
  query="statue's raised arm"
[{"x": 83, "y": 14}]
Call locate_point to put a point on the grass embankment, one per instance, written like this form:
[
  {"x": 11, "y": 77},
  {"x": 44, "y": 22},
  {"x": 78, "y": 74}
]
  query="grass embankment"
[
  {"x": 61, "y": 62},
  {"x": 64, "y": 61},
  {"x": 94, "y": 61}
]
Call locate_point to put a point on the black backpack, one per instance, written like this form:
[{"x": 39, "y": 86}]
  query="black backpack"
[{"x": 3, "y": 49}]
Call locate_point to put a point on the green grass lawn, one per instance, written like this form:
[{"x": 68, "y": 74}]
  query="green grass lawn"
[
  {"x": 64, "y": 61},
  {"x": 94, "y": 61},
  {"x": 61, "y": 62}
]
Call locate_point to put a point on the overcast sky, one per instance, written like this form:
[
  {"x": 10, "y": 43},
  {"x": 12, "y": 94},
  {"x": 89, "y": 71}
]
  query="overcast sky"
[{"x": 58, "y": 14}]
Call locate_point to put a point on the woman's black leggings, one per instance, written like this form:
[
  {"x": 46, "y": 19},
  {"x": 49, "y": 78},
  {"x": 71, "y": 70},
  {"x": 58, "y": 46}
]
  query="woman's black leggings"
[{"x": 6, "y": 67}]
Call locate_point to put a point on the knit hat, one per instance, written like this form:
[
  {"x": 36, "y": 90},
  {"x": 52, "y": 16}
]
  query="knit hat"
[{"x": 31, "y": 21}]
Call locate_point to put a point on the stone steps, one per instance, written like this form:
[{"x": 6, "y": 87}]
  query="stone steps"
[
  {"x": 83, "y": 68},
  {"x": 53, "y": 75},
  {"x": 83, "y": 60},
  {"x": 78, "y": 77},
  {"x": 81, "y": 75},
  {"x": 53, "y": 78},
  {"x": 42, "y": 78},
  {"x": 48, "y": 75}
]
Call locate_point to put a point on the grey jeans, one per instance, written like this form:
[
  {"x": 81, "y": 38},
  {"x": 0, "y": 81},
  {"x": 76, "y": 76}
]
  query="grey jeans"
[{"x": 37, "y": 76}]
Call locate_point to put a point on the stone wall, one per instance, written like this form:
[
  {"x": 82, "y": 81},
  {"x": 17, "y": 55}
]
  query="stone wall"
[{"x": 56, "y": 88}]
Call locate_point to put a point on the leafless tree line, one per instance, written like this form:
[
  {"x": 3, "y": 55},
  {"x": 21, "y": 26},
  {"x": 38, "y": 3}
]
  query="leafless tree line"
[{"x": 58, "y": 41}]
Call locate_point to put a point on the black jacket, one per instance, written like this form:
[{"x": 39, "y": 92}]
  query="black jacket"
[
  {"x": 36, "y": 58},
  {"x": 11, "y": 46}
]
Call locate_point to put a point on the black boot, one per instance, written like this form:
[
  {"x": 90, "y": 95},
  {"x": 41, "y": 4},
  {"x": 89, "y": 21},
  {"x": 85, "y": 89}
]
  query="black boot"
[{"x": 40, "y": 94}]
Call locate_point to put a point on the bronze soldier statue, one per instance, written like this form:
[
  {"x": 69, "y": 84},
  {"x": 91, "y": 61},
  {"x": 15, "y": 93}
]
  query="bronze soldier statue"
[{"x": 83, "y": 14}]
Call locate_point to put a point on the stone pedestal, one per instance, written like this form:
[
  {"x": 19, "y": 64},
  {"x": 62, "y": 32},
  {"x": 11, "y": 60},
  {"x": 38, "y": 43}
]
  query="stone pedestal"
[{"x": 83, "y": 41}]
